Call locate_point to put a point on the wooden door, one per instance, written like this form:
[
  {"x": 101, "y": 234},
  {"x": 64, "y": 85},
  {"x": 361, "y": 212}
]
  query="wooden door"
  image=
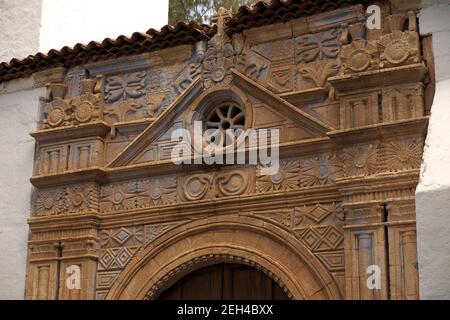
[{"x": 227, "y": 282}]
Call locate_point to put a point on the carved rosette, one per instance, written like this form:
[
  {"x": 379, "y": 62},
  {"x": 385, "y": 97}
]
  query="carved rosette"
[
  {"x": 286, "y": 179},
  {"x": 219, "y": 59},
  {"x": 359, "y": 56},
  {"x": 162, "y": 191},
  {"x": 399, "y": 48}
]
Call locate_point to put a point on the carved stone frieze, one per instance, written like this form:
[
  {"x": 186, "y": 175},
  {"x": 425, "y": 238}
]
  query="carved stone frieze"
[
  {"x": 349, "y": 106},
  {"x": 67, "y": 200}
]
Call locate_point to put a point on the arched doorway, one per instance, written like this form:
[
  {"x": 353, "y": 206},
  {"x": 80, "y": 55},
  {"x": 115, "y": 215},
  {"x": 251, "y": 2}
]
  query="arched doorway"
[
  {"x": 225, "y": 239},
  {"x": 225, "y": 281}
]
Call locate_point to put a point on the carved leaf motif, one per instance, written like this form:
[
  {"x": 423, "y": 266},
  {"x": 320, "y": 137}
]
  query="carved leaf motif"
[{"x": 319, "y": 72}]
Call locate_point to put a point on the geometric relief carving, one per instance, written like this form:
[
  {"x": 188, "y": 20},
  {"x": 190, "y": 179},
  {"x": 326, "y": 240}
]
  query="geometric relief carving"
[
  {"x": 118, "y": 196},
  {"x": 333, "y": 261},
  {"x": 116, "y": 258},
  {"x": 287, "y": 178},
  {"x": 105, "y": 280},
  {"x": 289, "y": 218},
  {"x": 318, "y": 46},
  {"x": 124, "y": 236},
  {"x": 152, "y": 231},
  {"x": 402, "y": 154},
  {"x": 360, "y": 160},
  {"x": 71, "y": 199},
  {"x": 318, "y": 212},
  {"x": 322, "y": 238}
]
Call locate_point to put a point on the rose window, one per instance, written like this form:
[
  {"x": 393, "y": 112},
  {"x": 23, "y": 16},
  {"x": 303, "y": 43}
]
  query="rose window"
[{"x": 228, "y": 116}]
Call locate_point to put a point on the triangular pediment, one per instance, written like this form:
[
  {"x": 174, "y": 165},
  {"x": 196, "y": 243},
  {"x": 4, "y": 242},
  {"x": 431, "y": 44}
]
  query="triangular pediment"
[{"x": 268, "y": 110}]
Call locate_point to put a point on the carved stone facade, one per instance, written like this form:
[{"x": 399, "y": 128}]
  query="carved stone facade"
[{"x": 349, "y": 104}]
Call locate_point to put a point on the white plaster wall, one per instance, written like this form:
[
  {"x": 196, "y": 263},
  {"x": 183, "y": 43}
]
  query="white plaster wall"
[
  {"x": 19, "y": 24},
  {"x": 433, "y": 192},
  {"x": 18, "y": 113},
  {"x": 67, "y": 22}
]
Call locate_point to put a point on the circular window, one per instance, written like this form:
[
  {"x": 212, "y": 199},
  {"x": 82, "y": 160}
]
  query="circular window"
[{"x": 227, "y": 116}]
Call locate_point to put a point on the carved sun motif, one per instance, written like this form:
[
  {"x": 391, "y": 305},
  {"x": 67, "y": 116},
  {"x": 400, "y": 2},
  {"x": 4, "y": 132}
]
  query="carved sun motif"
[
  {"x": 398, "y": 47},
  {"x": 360, "y": 160},
  {"x": 117, "y": 197},
  {"x": 163, "y": 191},
  {"x": 286, "y": 179},
  {"x": 218, "y": 62},
  {"x": 50, "y": 203},
  {"x": 404, "y": 155}
]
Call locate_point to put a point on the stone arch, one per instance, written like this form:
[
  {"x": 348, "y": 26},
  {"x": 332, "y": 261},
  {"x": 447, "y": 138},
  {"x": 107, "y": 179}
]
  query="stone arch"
[{"x": 212, "y": 240}]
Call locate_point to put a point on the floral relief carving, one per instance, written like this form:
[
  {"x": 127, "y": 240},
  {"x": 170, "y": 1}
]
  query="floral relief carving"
[
  {"x": 286, "y": 179},
  {"x": 125, "y": 86},
  {"x": 399, "y": 48},
  {"x": 67, "y": 200},
  {"x": 360, "y": 160},
  {"x": 318, "y": 46},
  {"x": 162, "y": 191},
  {"x": 118, "y": 197},
  {"x": 218, "y": 61},
  {"x": 359, "y": 56},
  {"x": 61, "y": 111},
  {"x": 319, "y": 170},
  {"x": 403, "y": 155}
]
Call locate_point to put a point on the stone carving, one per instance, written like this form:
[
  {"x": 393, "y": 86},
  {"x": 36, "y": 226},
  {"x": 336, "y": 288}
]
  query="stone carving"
[
  {"x": 359, "y": 56},
  {"x": 403, "y": 102},
  {"x": 116, "y": 258},
  {"x": 125, "y": 236},
  {"x": 318, "y": 46},
  {"x": 219, "y": 59},
  {"x": 281, "y": 79},
  {"x": 162, "y": 191},
  {"x": 320, "y": 170},
  {"x": 190, "y": 72},
  {"x": 67, "y": 200},
  {"x": 354, "y": 177},
  {"x": 196, "y": 187},
  {"x": 286, "y": 179},
  {"x": 77, "y": 110},
  {"x": 360, "y": 160},
  {"x": 399, "y": 48},
  {"x": 402, "y": 155},
  {"x": 118, "y": 197},
  {"x": 322, "y": 238},
  {"x": 126, "y": 86},
  {"x": 252, "y": 65},
  {"x": 318, "y": 72},
  {"x": 86, "y": 106},
  {"x": 232, "y": 183}
]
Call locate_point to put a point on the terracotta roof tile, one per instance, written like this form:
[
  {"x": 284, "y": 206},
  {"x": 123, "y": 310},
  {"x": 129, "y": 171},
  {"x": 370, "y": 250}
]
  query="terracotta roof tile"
[
  {"x": 264, "y": 13},
  {"x": 260, "y": 14},
  {"x": 168, "y": 36}
]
